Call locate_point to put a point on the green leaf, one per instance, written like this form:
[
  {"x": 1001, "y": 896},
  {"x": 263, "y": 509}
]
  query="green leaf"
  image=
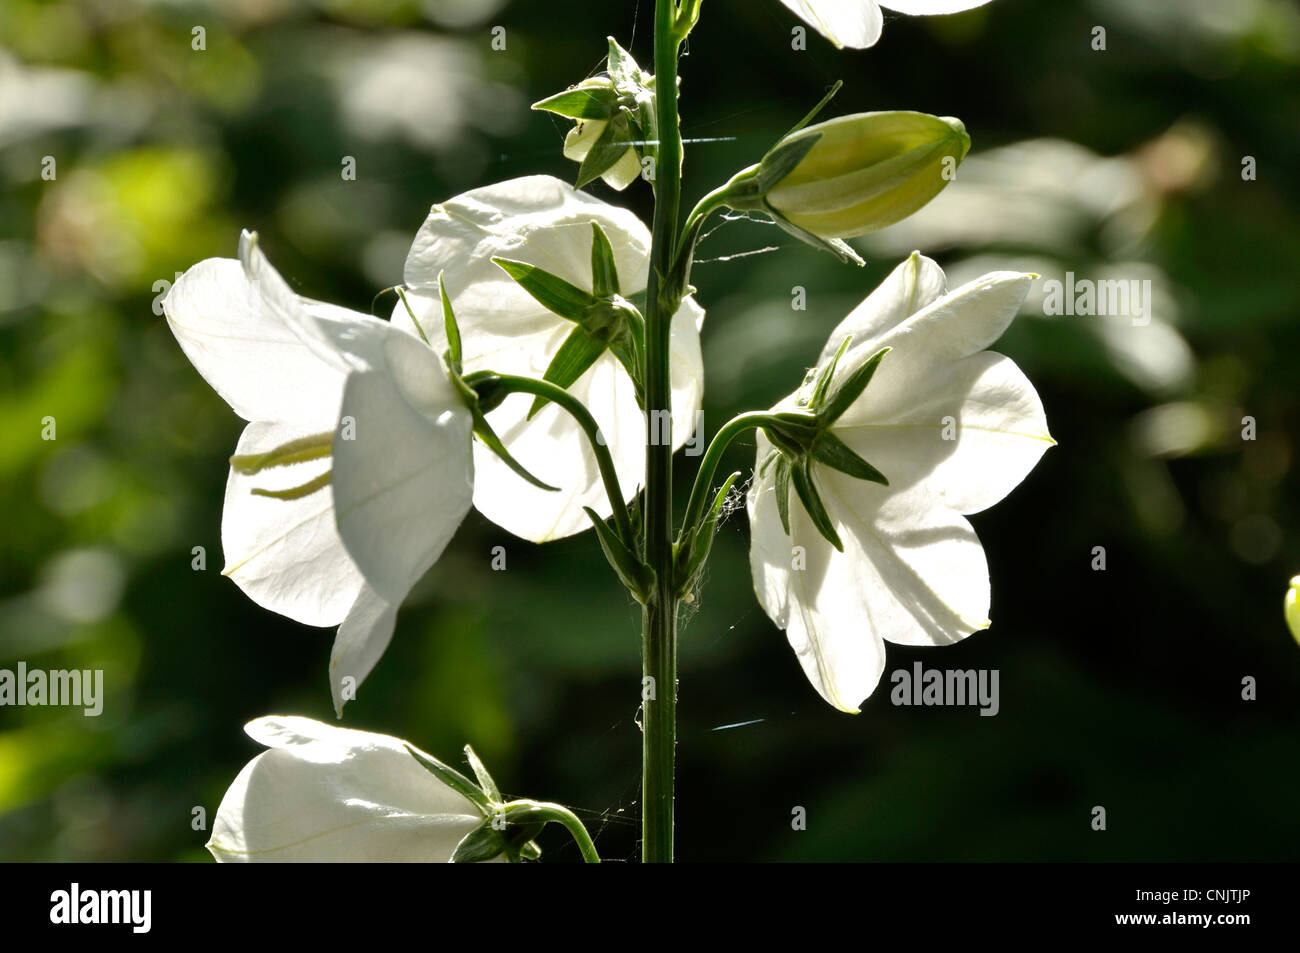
[
  {"x": 620, "y": 63},
  {"x": 582, "y": 102},
  {"x": 834, "y": 452},
  {"x": 824, "y": 381},
  {"x": 550, "y": 291},
  {"x": 454, "y": 780},
  {"x": 632, "y": 572},
  {"x": 485, "y": 781},
  {"x": 801, "y": 475},
  {"x": 848, "y": 392},
  {"x": 578, "y": 352},
  {"x": 482, "y": 844},
  {"x": 604, "y": 271}
]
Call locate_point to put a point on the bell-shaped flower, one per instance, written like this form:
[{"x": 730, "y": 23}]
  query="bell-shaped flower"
[
  {"x": 355, "y": 468},
  {"x": 857, "y": 23},
  {"x": 858, "y": 532},
  {"x": 542, "y": 279},
  {"x": 328, "y": 794}
]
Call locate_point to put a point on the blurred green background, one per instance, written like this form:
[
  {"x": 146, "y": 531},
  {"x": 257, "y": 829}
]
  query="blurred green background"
[{"x": 1120, "y": 688}]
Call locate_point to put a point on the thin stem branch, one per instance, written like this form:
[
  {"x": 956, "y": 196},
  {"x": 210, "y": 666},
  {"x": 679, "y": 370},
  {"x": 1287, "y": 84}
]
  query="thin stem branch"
[
  {"x": 709, "y": 466},
  {"x": 510, "y": 384}
]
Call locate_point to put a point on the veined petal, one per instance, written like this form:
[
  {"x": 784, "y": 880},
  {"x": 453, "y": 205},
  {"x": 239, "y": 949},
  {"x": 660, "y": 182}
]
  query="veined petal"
[
  {"x": 930, "y": 7},
  {"x": 771, "y": 556},
  {"x": 967, "y": 439},
  {"x": 329, "y": 794},
  {"x": 246, "y": 351},
  {"x": 916, "y": 283},
  {"x": 286, "y": 554},
  {"x": 922, "y": 578},
  {"x": 950, "y": 328},
  {"x": 538, "y": 219},
  {"x": 853, "y": 23},
  {"x": 403, "y": 477},
  {"x": 360, "y": 642},
  {"x": 344, "y": 339}
]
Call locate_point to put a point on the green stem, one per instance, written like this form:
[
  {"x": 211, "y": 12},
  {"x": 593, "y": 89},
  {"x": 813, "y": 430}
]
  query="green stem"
[
  {"x": 659, "y": 617},
  {"x": 510, "y": 384},
  {"x": 549, "y": 811}
]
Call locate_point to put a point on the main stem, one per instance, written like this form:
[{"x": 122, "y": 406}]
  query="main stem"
[{"x": 659, "y": 618}]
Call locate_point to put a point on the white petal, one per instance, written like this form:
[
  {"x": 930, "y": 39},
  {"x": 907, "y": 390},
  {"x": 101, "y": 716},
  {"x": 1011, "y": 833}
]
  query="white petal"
[
  {"x": 286, "y": 555},
  {"x": 916, "y": 283},
  {"x": 854, "y": 23},
  {"x": 249, "y": 355},
  {"x": 929, "y": 7},
  {"x": 770, "y": 549},
  {"x": 327, "y": 794},
  {"x": 538, "y": 219},
  {"x": 360, "y": 642},
  {"x": 922, "y": 578},
  {"x": 950, "y": 328},
  {"x": 967, "y": 440},
  {"x": 344, "y": 339},
  {"x": 403, "y": 479}
]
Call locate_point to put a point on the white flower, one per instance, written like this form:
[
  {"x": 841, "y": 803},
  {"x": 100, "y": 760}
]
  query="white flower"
[
  {"x": 953, "y": 428},
  {"x": 327, "y": 794},
  {"x": 857, "y": 23},
  {"x": 547, "y": 223},
  {"x": 356, "y": 433}
]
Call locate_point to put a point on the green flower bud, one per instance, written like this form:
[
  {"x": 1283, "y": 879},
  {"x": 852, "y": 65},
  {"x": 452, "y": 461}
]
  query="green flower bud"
[
  {"x": 1291, "y": 607},
  {"x": 867, "y": 171}
]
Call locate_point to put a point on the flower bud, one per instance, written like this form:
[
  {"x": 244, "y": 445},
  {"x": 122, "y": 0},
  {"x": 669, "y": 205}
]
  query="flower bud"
[
  {"x": 1291, "y": 607},
  {"x": 856, "y": 174}
]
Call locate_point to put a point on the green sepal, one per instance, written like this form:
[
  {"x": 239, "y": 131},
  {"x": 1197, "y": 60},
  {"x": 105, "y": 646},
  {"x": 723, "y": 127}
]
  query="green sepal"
[
  {"x": 550, "y": 291},
  {"x": 480, "y": 845},
  {"x": 801, "y": 476},
  {"x": 836, "y": 246},
  {"x": 823, "y": 384},
  {"x": 781, "y": 161},
  {"x": 401, "y": 294},
  {"x": 632, "y": 572},
  {"x": 485, "y": 781},
  {"x": 834, "y": 452},
  {"x": 848, "y": 392},
  {"x": 483, "y": 430},
  {"x": 582, "y": 102},
  {"x": 615, "y": 139},
  {"x": 620, "y": 64},
  {"x": 783, "y": 491},
  {"x": 450, "y": 327},
  {"x": 578, "y": 352},
  {"x": 691, "y": 557},
  {"x": 604, "y": 270},
  {"x": 454, "y": 780},
  {"x": 816, "y": 110}
]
